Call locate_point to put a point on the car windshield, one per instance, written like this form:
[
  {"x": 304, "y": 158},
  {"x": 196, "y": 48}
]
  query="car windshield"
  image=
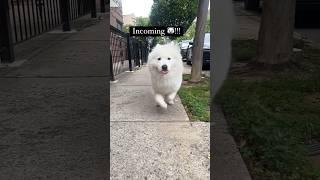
[
  {"x": 184, "y": 44},
  {"x": 207, "y": 38},
  {"x": 206, "y": 43}
]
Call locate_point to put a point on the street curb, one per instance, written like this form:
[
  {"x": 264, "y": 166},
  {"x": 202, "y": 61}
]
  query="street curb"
[{"x": 227, "y": 161}]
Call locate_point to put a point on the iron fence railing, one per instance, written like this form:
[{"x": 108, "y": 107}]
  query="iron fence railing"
[
  {"x": 30, "y": 18},
  {"x": 21, "y": 20},
  {"x": 126, "y": 52}
]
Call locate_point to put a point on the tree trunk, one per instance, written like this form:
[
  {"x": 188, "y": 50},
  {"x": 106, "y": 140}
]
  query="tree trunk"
[
  {"x": 276, "y": 32},
  {"x": 197, "y": 50}
]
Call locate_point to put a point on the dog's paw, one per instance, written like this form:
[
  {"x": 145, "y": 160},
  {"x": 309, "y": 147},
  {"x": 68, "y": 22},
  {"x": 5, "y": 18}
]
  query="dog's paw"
[
  {"x": 162, "y": 105},
  {"x": 160, "y": 101},
  {"x": 171, "y": 102}
]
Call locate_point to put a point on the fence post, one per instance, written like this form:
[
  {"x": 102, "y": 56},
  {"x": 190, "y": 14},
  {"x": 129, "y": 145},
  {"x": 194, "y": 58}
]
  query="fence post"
[
  {"x": 6, "y": 43},
  {"x": 111, "y": 68},
  {"x": 141, "y": 54},
  {"x": 79, "y": 5},
  {"x": 129, "y": 52},
  {"x": 93, "y": 9},
  {"x": 134, "y": 52},
  {"x": 138, "y": 54},
  {"x": 103, "y": 6},
  {"x": 65, "y": 14},
  {"x": 146, "y": 50}
]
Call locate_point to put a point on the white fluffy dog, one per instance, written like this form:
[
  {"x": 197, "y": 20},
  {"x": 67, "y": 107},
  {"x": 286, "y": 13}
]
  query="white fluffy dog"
[{"x": 166, "y": 68}]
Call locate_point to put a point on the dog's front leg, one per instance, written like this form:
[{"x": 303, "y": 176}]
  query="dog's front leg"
[
  {"x": 170, "y": 98},
  {"x": 160, "y": 101}
]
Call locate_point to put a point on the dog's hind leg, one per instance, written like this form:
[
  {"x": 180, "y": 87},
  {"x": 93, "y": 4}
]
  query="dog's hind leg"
[
  {"x": 170, "y": 98},
  {"x": 160, "y": 101}
]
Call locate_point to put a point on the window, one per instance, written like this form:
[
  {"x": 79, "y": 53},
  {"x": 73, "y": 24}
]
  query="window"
[
  {"x": 119, "y": 25},
  {"x": 115, "y": 3}
]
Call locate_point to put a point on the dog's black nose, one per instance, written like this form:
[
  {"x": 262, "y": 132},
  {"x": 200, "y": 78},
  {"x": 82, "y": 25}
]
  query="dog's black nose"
[{"x": 164, "y": 67}]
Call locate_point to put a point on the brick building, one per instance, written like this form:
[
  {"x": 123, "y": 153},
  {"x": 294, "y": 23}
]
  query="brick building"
[
  {"x": 116, "y": 17},
  {"x": 129, "y": 19}
]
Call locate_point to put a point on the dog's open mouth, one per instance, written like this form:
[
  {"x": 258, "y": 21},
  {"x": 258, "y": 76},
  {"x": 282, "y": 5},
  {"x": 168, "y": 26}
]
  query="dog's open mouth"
[{"x": 164, "y": 72}]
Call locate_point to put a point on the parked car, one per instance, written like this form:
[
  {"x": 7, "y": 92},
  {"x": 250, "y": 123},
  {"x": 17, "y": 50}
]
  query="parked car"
[
  {"x": 184, "y": 47},
  {"x": 206, "y": 52}
]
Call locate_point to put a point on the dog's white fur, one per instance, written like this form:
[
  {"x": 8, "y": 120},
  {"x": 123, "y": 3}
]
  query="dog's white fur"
[{"x": 165, "y": 84}]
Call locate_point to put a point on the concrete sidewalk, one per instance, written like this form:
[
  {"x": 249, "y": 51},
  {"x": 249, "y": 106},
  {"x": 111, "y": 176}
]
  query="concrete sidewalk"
[
  {"x": 53, "y": 107},
  {"x": 150, "y": 143}
]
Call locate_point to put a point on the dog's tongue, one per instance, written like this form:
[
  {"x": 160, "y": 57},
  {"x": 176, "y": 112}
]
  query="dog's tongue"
[{"x": 163, "y": 72}]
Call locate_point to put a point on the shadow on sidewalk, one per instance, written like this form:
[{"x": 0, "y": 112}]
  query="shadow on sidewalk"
[{"x": 53, "y": 106}]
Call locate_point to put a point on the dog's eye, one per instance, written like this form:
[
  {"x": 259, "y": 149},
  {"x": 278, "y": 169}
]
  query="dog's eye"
[
  {"x": 169, "y": 58},
  {"x": 159, "y": 59}
]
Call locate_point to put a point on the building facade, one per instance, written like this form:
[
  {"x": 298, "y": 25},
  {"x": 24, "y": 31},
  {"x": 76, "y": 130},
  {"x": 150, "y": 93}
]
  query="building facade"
[
  {"x": 129, "y": 19},
  {"x": 116, "y": 17}
]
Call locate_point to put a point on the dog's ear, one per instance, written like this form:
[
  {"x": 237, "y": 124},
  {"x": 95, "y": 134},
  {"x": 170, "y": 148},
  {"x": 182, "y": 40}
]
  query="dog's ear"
[
  {"x": 172, "y": 43},
  {"x": 152, "y": 54},
  {"x": 155, "y": 47},
  {"x": 175, "y": 46}
]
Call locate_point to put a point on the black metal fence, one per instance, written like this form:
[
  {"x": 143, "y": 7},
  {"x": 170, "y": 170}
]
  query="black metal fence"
[
  {"x": 30, "y": 18},
  {"x": 21, "y": 20},
  {"x": 127, "y": 52}
]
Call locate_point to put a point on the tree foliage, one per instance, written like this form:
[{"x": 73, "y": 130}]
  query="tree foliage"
[
  {"x": 189, "y": 34},
  {"x": 157, "y": 40},
  {"x": 173, "y": 13},
  {"x": 142, "y": 21},
  {"x": 207, "y": 27},
  {"x": 126, "y": 28}
]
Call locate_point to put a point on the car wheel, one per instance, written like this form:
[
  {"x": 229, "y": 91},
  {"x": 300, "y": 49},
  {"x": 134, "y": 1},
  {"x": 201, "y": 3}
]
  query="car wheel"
[{"x": 205, "y": 67}]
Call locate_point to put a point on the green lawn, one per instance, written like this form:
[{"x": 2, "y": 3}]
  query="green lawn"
[
  {"x": 273, "y": 113},
  {"x": 195, "y": 98}
]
